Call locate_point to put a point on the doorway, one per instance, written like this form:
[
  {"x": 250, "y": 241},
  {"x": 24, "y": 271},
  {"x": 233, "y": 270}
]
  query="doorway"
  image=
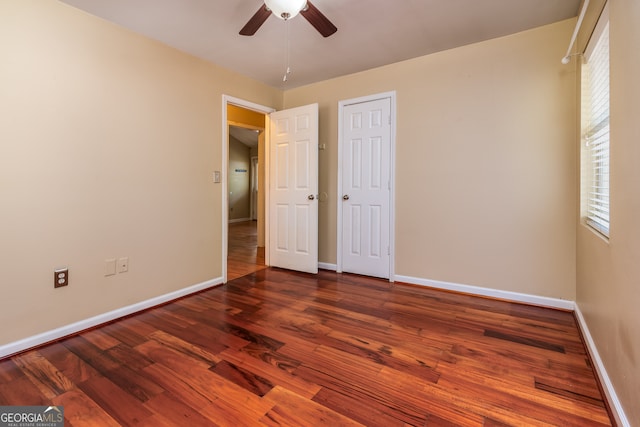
[
  {"x": 291, "y": 185},
  {"x": 243, "y": 236},
  {"x": 245, "y": 250}
]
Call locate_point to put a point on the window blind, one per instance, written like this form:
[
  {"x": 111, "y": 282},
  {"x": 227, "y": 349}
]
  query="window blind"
[{"x": 595, "y": 133}]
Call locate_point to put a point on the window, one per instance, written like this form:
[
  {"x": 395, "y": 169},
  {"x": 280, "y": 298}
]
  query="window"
[{"x": 595, "y": 130}]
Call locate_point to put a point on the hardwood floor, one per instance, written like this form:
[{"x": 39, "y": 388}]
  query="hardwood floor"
[
  {"x": 244, "y": 255},
  {"x": 276, "y": 348}
]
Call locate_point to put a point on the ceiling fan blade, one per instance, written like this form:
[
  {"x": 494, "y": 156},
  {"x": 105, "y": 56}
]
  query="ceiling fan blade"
[
  {"x": 256, "y": 21},
  {"x": 318, "y": 20}
]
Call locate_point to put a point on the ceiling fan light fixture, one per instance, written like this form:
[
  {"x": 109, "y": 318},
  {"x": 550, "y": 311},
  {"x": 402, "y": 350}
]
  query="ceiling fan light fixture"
[{"x": 285, "y": 9}]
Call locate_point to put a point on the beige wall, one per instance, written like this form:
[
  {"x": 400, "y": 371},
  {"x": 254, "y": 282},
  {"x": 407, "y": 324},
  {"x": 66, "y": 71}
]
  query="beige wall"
[
  {"x": 238, "y": 181},
  {"x": 108, "y": 143},
  {"x": 486, "y": 166},
  {"x": 608, "y": 273}
]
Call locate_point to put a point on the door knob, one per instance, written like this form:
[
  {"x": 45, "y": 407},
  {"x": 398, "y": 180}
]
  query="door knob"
[
  {"x": 345, "y": 197},
  {"x": 311, "y": 197}
]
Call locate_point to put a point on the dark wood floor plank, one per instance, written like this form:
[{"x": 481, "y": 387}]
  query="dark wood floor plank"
[
  {"x": 271, "y": 357},
  {"x": 176, "y": 412},
  {"x": 127, "y": 356},
  {"x": 184, "y": 347},
  {"x": 170, "y": 315},
  {"x": 177, "y": 386},
  {"x": 74, "y": 368},
  {"x": 224, "y": 413},
  {"x": 524, "y": 340},
  {"x": 248, "y": 335},
  {"x": 206, "y": 338},
  {"x": 134, "y": 383},
  {"x": 46, "y": 377},
  {"x": 100, "y": 339},
  {"x": 123, "y": 332},
  {"x": 356, "y": 407},
  {"x": 9, "y": 371},
  {"x": 293, "y": 410},
  {"x": 90, "y": 354},
  {"x": 290, "y": 323},
  {"x": 112, "y": 399},
  {"x": 246, "y": 379},
  {"x": 360, "y": 382},
  {"x": 21, "y": 391},
  {"x": 272, "y": 370},
  {"x": 214, "y": 339},
  {"x": 80, "y": 410},
  {"x": 157, "y": 420},
  {"x": 569, "y": 389},
  {"x": 196, "y": 374}
]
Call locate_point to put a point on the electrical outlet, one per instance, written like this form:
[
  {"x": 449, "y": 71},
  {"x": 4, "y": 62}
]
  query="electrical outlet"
[
  {"x": 60, "y": 277},
  {"x": 123, "y": 264}
]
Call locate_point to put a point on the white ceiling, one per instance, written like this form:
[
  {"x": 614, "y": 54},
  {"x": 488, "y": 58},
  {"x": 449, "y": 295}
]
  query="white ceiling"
[
  {"x": 248, "y": 137},
  {"x": 370, "y": 33}
]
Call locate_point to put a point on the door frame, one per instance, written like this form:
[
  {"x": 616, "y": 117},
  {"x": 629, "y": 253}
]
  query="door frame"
[
  {"x": 230, "y": 100},
  {"x": 392, "y": 174},
  {"x": 253, "y": 179}
]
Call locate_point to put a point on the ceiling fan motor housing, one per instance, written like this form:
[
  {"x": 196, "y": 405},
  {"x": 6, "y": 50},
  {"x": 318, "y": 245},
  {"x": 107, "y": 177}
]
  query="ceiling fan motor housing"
[{"x": 285, "y": 9}]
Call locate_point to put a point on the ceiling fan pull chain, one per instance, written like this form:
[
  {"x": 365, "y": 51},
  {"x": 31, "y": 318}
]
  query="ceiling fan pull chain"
[{"x": 287, "y": 54}]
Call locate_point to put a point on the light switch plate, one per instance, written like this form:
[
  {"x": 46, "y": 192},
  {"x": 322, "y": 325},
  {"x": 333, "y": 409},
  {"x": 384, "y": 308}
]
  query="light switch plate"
[{"x": 109, "y": 267}]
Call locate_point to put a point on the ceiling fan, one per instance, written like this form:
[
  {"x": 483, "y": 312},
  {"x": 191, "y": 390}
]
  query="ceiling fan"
[{"x": 287, "y": 9}]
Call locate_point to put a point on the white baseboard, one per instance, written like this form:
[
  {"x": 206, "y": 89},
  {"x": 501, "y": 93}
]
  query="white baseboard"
[
  {"x": 603, "y": 377},
  {"x": 232, "y": 221},
  {"x": 327, "y": 266},
  {"x": 488, "y": 292},
  {"x": 55, "y": 334}
]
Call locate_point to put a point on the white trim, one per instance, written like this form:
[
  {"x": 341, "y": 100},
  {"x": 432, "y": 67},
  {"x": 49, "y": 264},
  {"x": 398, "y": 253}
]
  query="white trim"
[
  {"x": 603, "y": 377},
  {"x": 254, "y": 179},
  {"x": 493, "y": 293},
  {"x": 327, "y": 266},
  {"x": 58, "y": 333},
  {"x": 226, "y": 100},
  {"x": 233, "y": 221},
  {"x": 603, "y": 21},
  {"x": 392, "y": 173}
]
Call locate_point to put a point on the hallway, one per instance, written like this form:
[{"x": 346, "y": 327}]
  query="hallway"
[{"x": 244, "y": 256}]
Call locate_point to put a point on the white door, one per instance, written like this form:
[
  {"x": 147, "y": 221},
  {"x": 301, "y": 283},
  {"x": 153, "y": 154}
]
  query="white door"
[
  {"x": 366, "y": 188},
  {"x": 293, "y": 189}
]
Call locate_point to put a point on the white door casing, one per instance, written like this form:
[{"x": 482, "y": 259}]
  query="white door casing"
[
  {"x": 253, "y": 189},
  {"x": 293, "y": 189},
  {"x": 365, "y": 199}
]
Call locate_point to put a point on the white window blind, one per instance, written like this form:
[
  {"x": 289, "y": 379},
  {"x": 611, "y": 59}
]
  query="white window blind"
[{"x": 595, "y": 131}]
